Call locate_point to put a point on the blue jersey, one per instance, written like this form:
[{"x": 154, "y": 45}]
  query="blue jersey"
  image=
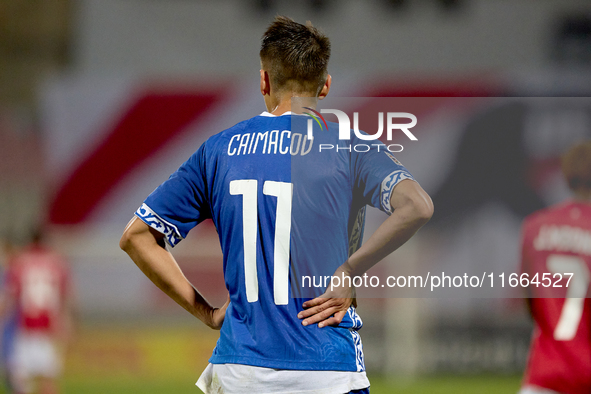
[{"x": 283, "y": 209}]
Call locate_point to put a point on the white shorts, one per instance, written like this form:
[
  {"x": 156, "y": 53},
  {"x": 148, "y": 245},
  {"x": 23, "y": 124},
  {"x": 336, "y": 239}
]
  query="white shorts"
[
  {"x": 238, "y": 379},
  {"x": 34, "y": 355},
  {"x": 536, "y": 390}
]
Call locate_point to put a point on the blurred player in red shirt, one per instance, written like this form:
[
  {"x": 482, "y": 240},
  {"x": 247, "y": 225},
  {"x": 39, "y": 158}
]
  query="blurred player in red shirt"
[
  {"x": 556, "y": 241},
  {"x": 37, "y": 285}
]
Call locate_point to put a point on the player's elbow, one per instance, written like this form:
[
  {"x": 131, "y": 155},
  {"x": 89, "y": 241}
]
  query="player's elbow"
[
  {"x": 129, "y": 240},
  {"x": 422, "y": 206},
  {"x": 125, "y": 243},
  {"x": 413, "y": 203},
  {"x": 138, "y": 236}
]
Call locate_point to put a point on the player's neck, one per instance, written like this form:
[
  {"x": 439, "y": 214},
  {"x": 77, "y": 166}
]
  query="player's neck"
[
  {"x": 281, "y": 108},
  {"x": 284, "y": 103}
]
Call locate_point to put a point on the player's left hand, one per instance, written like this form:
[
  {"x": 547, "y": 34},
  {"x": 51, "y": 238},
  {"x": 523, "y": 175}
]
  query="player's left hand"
[
  {"x": 218, "y": 314},
  {"x": 330, "y": 308}
]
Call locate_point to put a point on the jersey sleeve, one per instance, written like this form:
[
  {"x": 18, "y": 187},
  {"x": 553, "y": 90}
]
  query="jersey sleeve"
[
  {"x": 180, "y": 203},
  {"x": 376, "y": 173}
]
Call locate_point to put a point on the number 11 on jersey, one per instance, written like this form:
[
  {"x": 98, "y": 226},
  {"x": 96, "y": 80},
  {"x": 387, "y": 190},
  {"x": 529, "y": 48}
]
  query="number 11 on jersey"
[{"x": 248, "y": 188}]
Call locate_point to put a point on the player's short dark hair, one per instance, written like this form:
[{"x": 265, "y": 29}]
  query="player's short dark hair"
[
  {"x": 576, "y": 166},
  {"x": 295, "y": 55}
]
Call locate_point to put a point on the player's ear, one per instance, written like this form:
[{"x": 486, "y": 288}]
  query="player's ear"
[
  {"x": 265, "y": 87},
  {"x": 325, "y": 88}
]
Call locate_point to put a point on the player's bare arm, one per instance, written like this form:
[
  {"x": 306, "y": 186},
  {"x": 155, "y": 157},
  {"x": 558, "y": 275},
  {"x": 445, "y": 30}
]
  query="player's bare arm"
[
  {"x": 412, "y": 209},
  {"x": 146, "y": 247}
]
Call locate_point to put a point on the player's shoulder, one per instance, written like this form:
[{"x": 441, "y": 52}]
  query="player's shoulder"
[
  {"x": 222, "y": 138},
  {"x": 215, "y": 144},
  {"x": 238, "y": 128}
]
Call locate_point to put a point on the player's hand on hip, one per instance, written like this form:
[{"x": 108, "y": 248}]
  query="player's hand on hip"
[
  {"x": 330, "y": 308},
  {"x": 218, "y": 314}
]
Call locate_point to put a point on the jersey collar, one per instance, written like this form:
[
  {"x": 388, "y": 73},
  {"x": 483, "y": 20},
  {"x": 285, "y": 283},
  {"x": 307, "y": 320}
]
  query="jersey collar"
[{"x": 265, "y": 113}]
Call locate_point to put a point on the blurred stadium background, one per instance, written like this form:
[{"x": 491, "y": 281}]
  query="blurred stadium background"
[{"x": 101, "y": 100}]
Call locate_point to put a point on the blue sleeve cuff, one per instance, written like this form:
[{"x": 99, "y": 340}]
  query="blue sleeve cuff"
[
  {"x": 169, "y": 230},
  {"x": 388, "y": 185}
]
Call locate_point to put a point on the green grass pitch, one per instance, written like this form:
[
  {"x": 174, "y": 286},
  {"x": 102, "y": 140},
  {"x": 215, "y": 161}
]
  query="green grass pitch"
[{"x": 162, "y": 360}]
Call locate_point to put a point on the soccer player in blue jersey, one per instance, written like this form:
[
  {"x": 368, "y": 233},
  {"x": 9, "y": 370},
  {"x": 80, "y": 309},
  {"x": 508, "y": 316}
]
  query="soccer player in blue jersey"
[{"x": 281, "y": 207}]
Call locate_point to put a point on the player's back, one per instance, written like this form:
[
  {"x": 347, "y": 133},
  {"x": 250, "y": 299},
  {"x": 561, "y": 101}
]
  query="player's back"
[
  {"x": 556, "y": 241},
  {"x": 283, "y": 209},
  {"x": 261, "y": 205},
  {"x": 38, "y": 278}
]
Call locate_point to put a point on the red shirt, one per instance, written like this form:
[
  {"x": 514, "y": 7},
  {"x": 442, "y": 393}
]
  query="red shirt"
[
  {"x": 558, "y": 239},
  {"x": 38, "y": 279}
]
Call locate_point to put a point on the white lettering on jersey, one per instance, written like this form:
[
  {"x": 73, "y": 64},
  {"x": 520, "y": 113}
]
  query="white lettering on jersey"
[{"x": 564, "y": 239}]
